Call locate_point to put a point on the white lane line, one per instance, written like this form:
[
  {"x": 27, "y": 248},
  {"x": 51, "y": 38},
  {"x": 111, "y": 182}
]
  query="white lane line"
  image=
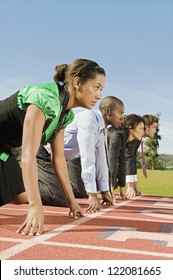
[
  {"x": 26, "y": 210},
  {"x": 140, "y": 219},
  {"x": 11, "y": 239},
  {"x": 109, "y": 249}
]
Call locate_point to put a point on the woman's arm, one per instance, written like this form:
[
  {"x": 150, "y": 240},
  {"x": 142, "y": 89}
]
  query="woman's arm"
[
  {"x": 32, "y": 132},
  {"x": 60, "y": 167}
]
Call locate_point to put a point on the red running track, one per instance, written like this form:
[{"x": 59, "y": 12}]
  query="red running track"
[{"x": 136, "y": 229}]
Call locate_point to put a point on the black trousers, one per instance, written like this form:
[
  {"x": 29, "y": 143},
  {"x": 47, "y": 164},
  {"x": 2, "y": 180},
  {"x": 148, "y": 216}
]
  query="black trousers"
[
  {"x": 74, "y": 170},
  {"x": 11, "y": 182},
  {"x": 50, "y": 188}
]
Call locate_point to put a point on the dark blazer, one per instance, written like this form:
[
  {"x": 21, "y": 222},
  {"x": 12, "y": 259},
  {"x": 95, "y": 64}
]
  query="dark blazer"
[
  {"x": 116, "y": 140},
  {"x": 131, "y": 156}
]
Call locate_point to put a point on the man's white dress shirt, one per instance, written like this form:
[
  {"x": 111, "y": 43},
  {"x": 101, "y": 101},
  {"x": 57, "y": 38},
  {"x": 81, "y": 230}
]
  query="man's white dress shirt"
[{"x": 84, "y": 138}]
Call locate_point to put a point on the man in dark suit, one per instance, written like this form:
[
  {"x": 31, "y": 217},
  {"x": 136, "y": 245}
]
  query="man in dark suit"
[{"x": 116, "y": 140}]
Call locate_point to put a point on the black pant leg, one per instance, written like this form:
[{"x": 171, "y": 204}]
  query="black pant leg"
[{"x": 74, "y": 169}]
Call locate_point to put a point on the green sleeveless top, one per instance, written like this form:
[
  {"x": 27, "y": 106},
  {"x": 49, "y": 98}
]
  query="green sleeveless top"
[{"x": 46, "y": 97}]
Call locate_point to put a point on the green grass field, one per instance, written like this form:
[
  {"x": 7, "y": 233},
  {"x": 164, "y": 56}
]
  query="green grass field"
[{"x": 158, "y": 182}]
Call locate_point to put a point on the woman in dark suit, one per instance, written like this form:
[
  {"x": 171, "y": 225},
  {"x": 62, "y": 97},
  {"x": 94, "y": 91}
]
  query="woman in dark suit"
[
  {"x": 118, "y": 143},
  {"x": 151, "y": 124}
]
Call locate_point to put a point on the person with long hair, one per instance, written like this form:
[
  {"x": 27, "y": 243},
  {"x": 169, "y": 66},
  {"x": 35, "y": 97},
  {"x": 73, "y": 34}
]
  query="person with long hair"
[
  {"x": 120, "y": 157},
  {"x": 39, "y": 114},
  {"x": 151, "y": 124}
]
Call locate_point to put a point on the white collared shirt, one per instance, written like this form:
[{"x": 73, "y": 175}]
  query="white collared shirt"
[{"x": 86, "y": 134}]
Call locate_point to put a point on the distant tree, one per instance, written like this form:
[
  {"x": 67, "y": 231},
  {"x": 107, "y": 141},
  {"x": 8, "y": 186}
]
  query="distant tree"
[
  {"x": 159, "y": 165},
  {"x": 151, "y": 149}
]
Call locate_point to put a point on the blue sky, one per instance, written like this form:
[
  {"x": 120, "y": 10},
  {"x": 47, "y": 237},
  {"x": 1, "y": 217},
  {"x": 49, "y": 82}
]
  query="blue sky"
[{"x": 132, "y": 40}]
